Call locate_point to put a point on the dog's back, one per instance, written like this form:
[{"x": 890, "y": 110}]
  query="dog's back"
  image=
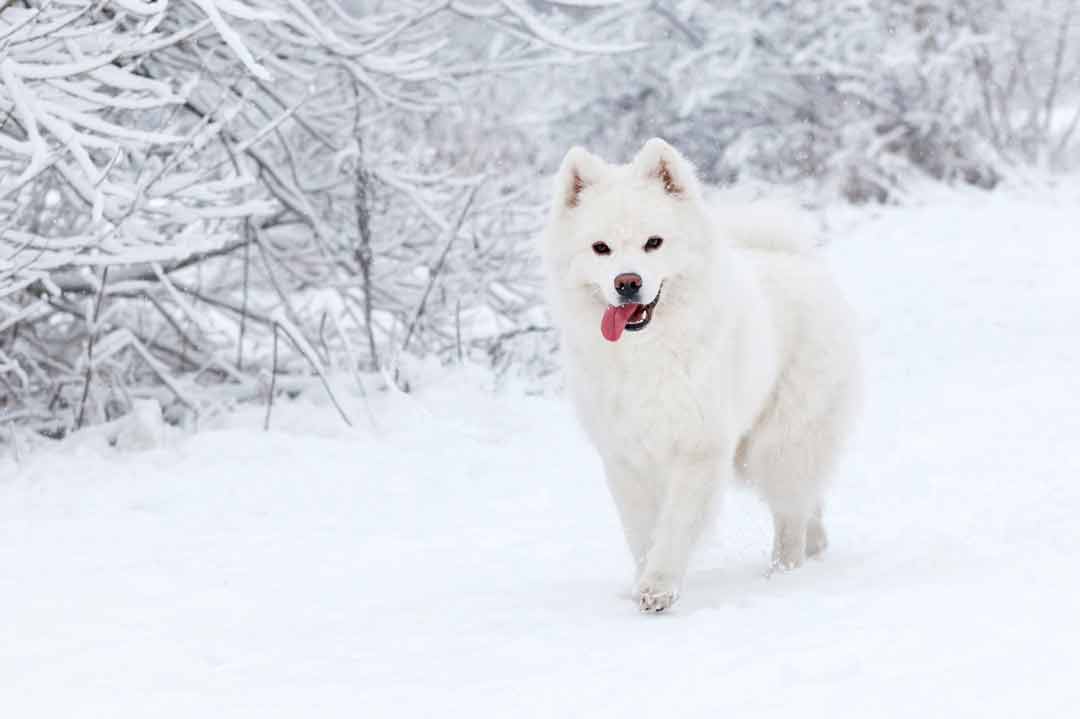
[{"x": 764, "y": 225}]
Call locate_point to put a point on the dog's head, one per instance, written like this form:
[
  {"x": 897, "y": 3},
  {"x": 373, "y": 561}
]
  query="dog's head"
[{"x": 621, "y": 237}]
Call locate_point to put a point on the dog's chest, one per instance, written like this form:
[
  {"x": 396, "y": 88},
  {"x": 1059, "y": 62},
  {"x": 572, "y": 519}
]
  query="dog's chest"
[{"x": 649, "y": 410}]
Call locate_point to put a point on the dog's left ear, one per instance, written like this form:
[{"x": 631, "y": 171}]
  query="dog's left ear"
[{"x": 659, "y": 161}]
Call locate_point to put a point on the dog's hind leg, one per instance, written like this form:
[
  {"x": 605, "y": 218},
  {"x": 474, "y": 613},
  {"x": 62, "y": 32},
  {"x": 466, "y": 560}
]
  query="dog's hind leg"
[
  {"x": 789, "y": 465},
  {"x": 816, "y": 537},
  {"x": 796, "y": 537},
  {"x": 792, "y": 478},
  {"x": 789, "y": 540}
]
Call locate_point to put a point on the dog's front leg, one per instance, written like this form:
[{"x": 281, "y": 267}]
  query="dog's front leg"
[
  {"x": 680, "y": 522},
  {"x": 636, "y": 500}
]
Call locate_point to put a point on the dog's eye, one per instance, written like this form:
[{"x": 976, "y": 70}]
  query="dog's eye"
[
  {"x": 601, "y": 248},
  {"x": 653, "y": 243}
]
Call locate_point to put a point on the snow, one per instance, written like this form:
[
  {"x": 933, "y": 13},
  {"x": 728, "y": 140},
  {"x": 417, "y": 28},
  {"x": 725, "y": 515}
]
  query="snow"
[{"x": 464, "y": 559}]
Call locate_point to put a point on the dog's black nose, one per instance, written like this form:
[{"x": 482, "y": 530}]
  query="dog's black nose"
[{"x": 627, "y": 284}]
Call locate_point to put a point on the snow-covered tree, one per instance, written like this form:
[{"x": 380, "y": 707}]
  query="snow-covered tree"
[
  {"x": 197, "y": 196},
  {"x": 186, "y": 183}
]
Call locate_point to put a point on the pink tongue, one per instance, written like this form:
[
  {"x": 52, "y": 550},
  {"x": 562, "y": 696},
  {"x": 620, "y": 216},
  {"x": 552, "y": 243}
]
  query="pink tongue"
[{"x": 615, "y": 319}]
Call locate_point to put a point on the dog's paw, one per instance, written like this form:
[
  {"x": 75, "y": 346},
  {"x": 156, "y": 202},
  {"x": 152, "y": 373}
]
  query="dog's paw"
[
  {"x": 816, "y": 540},
  {"x": 789, "y": 549},
  {"x": 781, "y": 564},
  {"x": 655, "y": 593}
]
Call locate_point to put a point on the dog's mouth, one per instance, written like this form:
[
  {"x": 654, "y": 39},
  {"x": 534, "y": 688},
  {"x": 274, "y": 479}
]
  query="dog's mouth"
[{"x": 631, "y": 317}]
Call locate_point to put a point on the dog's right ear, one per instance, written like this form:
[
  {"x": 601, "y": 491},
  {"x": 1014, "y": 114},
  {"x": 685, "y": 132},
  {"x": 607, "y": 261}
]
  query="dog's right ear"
[
  {"x": 660, "y": 162},
  {"x": 579, "y": 170}
]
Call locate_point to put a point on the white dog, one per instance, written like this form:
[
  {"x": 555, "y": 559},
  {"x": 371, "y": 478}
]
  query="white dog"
[{"x": 724, "y": 350}]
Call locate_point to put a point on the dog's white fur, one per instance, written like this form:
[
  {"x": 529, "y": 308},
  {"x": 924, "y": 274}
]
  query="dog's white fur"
[{"x": 748, "y": 369}]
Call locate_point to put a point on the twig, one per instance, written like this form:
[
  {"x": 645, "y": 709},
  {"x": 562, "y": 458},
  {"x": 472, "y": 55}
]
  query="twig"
[
  {"x": 676, "y": 22},
  {"x": 1065, "y": 26},
  {"x": 92, "y": 328},
  {"x": 355, "y": 370},
  {"x": 457, "y": 331},
  {"x": 364, "y": 253},
  {"x": 453, "y": 233},
  {"x": 307, "y": 352},
  {"x": 14, "y": 441},
  {"x": 273, "y": 383},
  {"x": 244, "y": 297}
]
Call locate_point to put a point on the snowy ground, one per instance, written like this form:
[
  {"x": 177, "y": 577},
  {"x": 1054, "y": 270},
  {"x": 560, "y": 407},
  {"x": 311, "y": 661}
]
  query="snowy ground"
[{"x": 467, "y": 560}]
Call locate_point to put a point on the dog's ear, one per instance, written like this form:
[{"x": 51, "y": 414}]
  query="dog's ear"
[
  {"x": 660, "y": 162},
  {"x": 579, "y": 170}
]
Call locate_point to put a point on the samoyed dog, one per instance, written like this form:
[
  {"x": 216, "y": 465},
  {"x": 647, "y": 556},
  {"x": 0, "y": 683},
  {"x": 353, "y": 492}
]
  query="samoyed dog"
[{"x": 701, "y": 345}]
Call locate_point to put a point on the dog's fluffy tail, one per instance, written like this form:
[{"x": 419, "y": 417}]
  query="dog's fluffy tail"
[{"x": 765, "y": 225}]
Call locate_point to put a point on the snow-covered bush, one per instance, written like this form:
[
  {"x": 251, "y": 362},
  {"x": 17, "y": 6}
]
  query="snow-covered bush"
[
  {"x": 858, "y": 97},
  {"x": 197, "y": 196},
  {"x": 201, "y": 192}
]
